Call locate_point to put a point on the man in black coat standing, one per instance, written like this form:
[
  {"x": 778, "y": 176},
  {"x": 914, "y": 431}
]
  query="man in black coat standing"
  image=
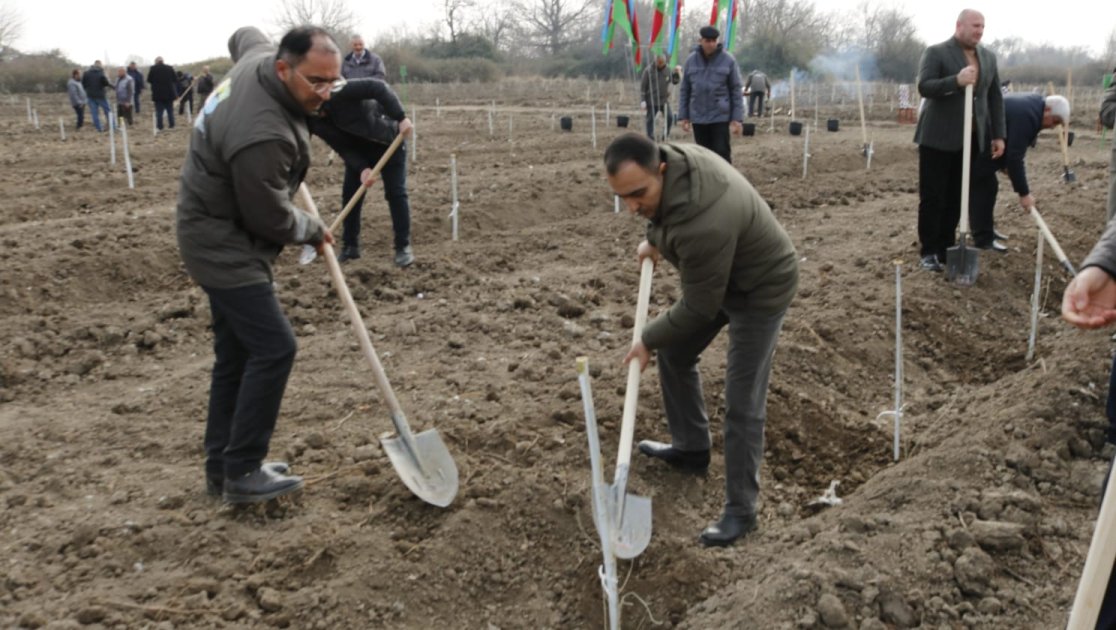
[
  {"x": 162, "y": 79},
  {"x": 137, "y": 76}
]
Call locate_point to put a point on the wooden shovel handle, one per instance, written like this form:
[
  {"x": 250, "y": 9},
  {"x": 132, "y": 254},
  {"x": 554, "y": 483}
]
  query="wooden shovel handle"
[
  {"x": 631, "y": 395},
  {"x": 354, "y": 315},
  {"x": 1098, "y": 566},
  {"x": 1063, "y": 139},
  {"x": 1048, "y": 235},
  {"x": 967, "y": 159},
  {"x": 360, "y": 190}
]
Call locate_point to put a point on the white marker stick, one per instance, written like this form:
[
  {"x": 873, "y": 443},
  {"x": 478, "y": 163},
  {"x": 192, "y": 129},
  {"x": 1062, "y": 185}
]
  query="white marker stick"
[{"x": 127, "y": 155}]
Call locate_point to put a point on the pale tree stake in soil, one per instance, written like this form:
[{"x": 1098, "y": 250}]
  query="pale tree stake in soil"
[
  {"x": 62, "y": 129},
  {"x": 423, "y": 462},
  {"x": 112, "y": 139},
  {"x": 806, "y": 153},
  {"x": 1036, "y": 296},
  {"x": 35, "y": 117},
  {"x": 30, "y": 120},
  {"x": 593, "y": 124},
  {"x": 896, "y": 413},
  {"x": 456, "y": 207},
  {"x": 607, "y": 571},
  {"x": 127, "y": 155},
  {"x": 863, "y": 124}
]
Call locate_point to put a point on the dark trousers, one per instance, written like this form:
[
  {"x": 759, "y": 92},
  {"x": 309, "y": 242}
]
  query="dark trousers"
[
  {"x": 394, "y": 178},
  {"x": 80, "y": 111},
  {"x": 124, "y": 111},
  {"x": 755, "y": 104},
  {"x": 715, "y": 137},
  {"x": 652, "y": 110},
  {"x": 189, "y": 98},
  {"x": 96, "y": 106},
  {"x": 254, "y": 350},
  {"x": 983, "y": 188},
  {"x": 752, "y": 337},
  {"x": 136, "y": 101},
  {"x": 162, "y": 107},
  {"x": 939, "y": 199}
]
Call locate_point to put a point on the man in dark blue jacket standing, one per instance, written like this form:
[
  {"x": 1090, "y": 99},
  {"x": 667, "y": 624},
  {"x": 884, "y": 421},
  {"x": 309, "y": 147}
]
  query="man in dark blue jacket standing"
[
  {"x": 137, "y": 77},
  {"x": 710, "y": 99},
  {"x": 94, "y": 81},
  {"x": 1025, "y": 116}
]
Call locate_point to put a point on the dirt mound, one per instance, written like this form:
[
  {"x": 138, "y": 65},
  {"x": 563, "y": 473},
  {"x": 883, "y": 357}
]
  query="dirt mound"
[{"x": 104, "y": 377}]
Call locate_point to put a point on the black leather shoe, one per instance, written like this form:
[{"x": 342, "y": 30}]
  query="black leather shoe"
[
  {"x": 215, "y": 483},
  {"x": 689, "y": 461},
  {"x": 259, "y": 486},
  {"x": 725, "y": 531},
  {"x": 930, "y": 263},
  {"x": 349, "y": 252},
  {"x": 995, "y": 246}
]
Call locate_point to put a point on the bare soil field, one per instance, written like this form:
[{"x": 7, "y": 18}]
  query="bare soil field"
[{"x": 105, "y": 353}]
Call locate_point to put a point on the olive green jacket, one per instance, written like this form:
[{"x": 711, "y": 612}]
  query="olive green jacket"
[{"x": 730, "y": 251}]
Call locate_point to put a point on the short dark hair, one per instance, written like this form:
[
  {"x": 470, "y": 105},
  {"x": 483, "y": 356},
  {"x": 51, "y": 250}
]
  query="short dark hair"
[
  {"x": 299, "y": 41},
  {"x": 632, "y": 147}
]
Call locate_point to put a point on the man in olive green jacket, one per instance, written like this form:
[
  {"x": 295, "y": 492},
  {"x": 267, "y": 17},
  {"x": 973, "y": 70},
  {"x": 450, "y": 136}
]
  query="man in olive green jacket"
[
  {"x": 738, "y": 268},
  {"x": 944, "y": 71},
  {"x": 249, "y": 152}
]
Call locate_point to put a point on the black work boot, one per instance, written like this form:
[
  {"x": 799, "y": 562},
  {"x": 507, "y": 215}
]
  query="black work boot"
[
  {"x": 725, "y": 531},
  {"x": 349, "y": 252},
  {"x": 688, "y": 461},
  {"x": 215, "y": 482},
  {"x": 260, "y": 485}
]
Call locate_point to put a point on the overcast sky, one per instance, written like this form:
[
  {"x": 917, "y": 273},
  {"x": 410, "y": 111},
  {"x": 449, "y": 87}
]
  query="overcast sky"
[{"x": 192, "y": 30}]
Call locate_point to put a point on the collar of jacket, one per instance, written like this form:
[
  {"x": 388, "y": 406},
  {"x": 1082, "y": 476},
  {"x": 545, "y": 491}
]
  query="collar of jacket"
[
  {"x": 700, "y": 52},
  {"x": 269, "y": 79},
  {"x": 687, "y": 188},
  {"x": 363, "y": 58}
]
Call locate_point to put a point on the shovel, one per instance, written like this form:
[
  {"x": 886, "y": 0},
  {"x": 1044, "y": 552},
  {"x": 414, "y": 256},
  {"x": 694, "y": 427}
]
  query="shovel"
[
  {"x": 422, "y": 461},
  {"x": 1068, "y": 176},
  {"x": 631, "y": 524},
  {"x": 962, "y": 261},
  {"x": 1098, "y": 566},
  {"x": 308, "y": 252},
  {"x": 1049, "y": 236}
]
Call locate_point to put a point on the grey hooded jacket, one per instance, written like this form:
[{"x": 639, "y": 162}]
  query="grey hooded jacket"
[
  {"x": 249, "y": 151},
  {"x": 76, "y": 92},
  {"x": 711, "y": 90}
]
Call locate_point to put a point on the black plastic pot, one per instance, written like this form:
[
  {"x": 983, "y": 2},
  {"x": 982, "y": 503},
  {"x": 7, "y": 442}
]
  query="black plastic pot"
[
  {"x": 566, "y": 122},
  {"x": 622, "y": 121},
  {"x": 749, "y": 129},
  {"x": 833, "y": 124},
  {"x": 795, "y": 128}
]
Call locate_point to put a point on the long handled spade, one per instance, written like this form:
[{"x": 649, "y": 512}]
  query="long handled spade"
[
  {"x": 1049, "y": 236},
  {"x": 1098, "y": 566},
  {"x": 1068, "y": 176},
  {"x": 309, "y": 253},
  {"x": 631, "y": 522},
  {"x": 962, "y": 261},
  {"x": 422, "y": 461}
]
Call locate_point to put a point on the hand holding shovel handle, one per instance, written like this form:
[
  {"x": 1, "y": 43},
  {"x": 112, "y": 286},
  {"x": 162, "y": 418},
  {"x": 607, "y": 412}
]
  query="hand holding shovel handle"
[
  {"x": 1053, "y": 242},
  {"x": 631, "y": 395}
]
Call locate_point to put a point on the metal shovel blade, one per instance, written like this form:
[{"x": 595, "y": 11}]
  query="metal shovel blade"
[
  {"x": 1068, "y": 176},
  {"x": 428, "y": 470},
  {"x": 962, "y": 264},
  {"x": 633, "y": 533}
]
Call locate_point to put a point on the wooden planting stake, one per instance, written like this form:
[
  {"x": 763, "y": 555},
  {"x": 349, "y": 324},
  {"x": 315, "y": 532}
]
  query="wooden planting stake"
[
  {"x": 791, "y": 116},
  {"x": 511, "y": 126},
  {"x": 593, "y": 117},
  {"x": 897, "y": 413},
  {"x": 616, "y": 204},
  {"x": 30, "y": 120},
  {"x": 35, "y": 115},
  {"x": 456, "y": 208},
  {"x": 154, "y": 126},
  {"x": 438, "y": 108},
  {"x": 62, "y": 129},
  {"x": 127, "y": 155},
  {"x": 491, "y": 129},
  {"x": 863, "y": 124},
  {"x": 806, "y": 152},
  {"x": 1036, "y": 296},
  {"x": 112, "y": 139}
]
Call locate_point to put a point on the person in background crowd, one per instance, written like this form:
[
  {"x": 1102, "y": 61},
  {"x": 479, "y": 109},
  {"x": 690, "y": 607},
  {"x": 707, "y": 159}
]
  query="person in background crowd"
[
  {"x": 944, "y": 71},
  {"x": 184, "y": 86},
  {"x": 94, "y": 81},
  {"x": 758, "y": 88},
  {"x": 204, "y": 85},
  {"x": 161, "y": 78},
  {"x": 654, "y": 89},
  {"x": 738, "y": 268},
  {"x": 362, "y": 63},
  {"x": 1025, "y": 115},
  {"x": 249, "y": 152},
  {"x": 137, "y": 78},
  {"x": 710, "y": 98},
  {"x": 77, "y": 96},
  {"x": 125, "y": 95}
]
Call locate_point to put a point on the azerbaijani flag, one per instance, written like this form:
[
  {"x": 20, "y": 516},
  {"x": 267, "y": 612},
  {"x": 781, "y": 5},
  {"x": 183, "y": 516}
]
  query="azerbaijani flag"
[
  {"x": 675, "y": 25},
  {"x": 657, "y": 34}
]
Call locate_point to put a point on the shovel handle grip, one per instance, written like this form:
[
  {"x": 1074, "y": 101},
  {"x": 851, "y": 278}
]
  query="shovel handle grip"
[
  {"x": 359, "y": 328},
  {"x": 1053, "y": 242},
  {"x": 631, "y": 394},
  {"x": 333, "y": 227}
]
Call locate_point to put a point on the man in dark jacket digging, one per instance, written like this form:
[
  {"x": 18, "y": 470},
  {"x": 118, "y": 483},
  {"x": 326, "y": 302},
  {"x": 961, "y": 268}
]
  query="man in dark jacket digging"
[
  {"x": 738, "y": 268},
  {"x": 1025, "y": 115},
  {"x": 359, "y": 123},
  {"x": 249, "y": 152}
]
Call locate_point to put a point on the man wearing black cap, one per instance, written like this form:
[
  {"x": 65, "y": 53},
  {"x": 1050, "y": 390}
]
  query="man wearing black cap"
[{"x": 710, "y": 98}]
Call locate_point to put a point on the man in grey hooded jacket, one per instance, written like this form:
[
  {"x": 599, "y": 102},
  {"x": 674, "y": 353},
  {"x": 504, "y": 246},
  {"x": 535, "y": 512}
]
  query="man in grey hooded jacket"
[{"x": 249, "y": 152}]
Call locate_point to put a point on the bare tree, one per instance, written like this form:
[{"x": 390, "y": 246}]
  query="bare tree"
[
  {"x": 497, "y": 24},
  {"x": 781, "y": 34},
  {"x": 11, "y": 26},
  {"x": 334, "y": 16},
  {"x": 552, "y": 25},
  {"x": 455, "y": 11}
]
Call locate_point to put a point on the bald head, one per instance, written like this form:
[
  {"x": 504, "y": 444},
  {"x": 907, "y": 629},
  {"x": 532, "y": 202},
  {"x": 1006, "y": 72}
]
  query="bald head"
[{"x": 970, "y": 28}]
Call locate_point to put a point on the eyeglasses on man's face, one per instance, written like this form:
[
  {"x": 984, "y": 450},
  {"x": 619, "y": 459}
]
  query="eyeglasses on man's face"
[{"x": 322, "y": 86}]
